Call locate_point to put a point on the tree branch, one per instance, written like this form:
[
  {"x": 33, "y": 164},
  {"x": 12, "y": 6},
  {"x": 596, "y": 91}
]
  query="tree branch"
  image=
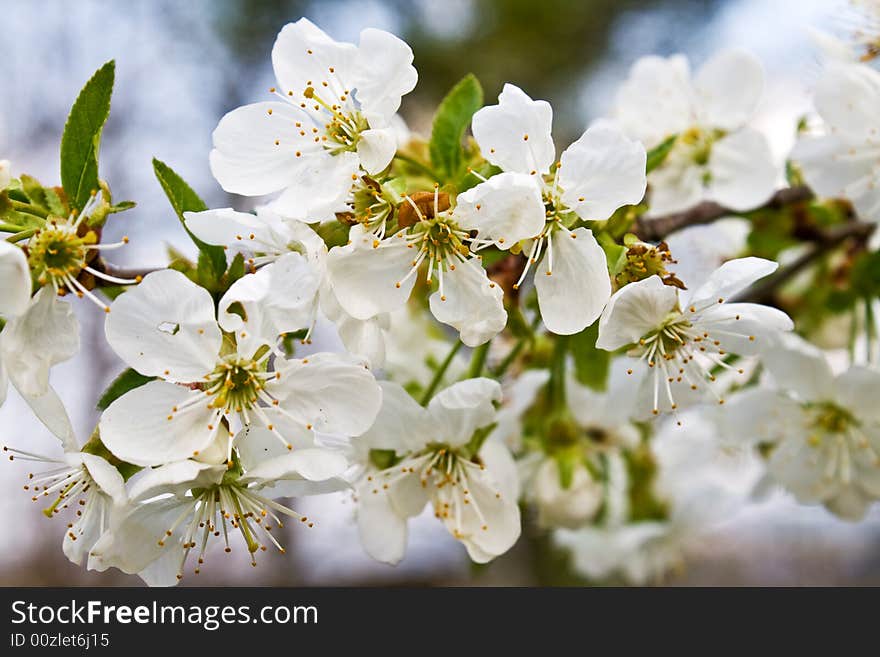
[{"x": 658, "y": 228}]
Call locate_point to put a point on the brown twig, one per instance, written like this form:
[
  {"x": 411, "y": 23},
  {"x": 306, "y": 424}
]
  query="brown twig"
[{"x": 658, "y": 228}]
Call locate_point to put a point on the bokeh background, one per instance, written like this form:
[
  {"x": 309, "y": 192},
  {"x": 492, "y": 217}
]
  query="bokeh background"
[{"x": 182, "y": 65}]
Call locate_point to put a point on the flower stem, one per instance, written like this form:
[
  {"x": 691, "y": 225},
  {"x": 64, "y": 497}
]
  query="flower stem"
[
  {"x": 21, "y": 235},
  {"x": 438, "y": 375},
  {"x": 511, "y": 357},
  {"x": 556, "y": 385},
  {"x": 478, "y": 360}
]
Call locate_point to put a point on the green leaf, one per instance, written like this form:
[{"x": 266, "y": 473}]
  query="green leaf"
[
  {"x": 82, "y": 136},
  {"x": 125, "y": 382},
  {"x": 236, "y": 269},
  {"x": 615, "y": 253},
  {"x": 212, "y": 259},
  {"x": 452, "y": 119},
  {"x": 657, "y": 155},
  {"x": 590, "y": 364}
]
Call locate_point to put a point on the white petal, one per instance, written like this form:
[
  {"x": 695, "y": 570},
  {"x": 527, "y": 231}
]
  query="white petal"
[
  {"x": 382, "y": 531},
  {"x": 239, "y": 230},
  {"x": 256, "y": 444},
  {"x": 376, "y": 149},
  {"x": 743, "y": 175},
  {"x": 333, "y": 393},
  {"x": 462, "y": 408},
  {"x": 402, "y": 424},
  {"x": 304, "y": 56},
  {"x": 45, "y": 335},
  {"x": 676, "y": 185},
  {"x": 655, "y": 100},
  {"x": 573, "y": 294},
  {"x": 383, "y": 73},
  {"x": 365, "y": 274},
  {"x": 756, "y": 326},
  {"x": 565, "y": 507},
  {"x": 858, "y": 389},
  {"x": 165, "y": 327},
  {"x": 728, "y": 88},
  {"x": 601, "y": 172},
  {"x": 506, "y": 208},
  {"x": 279, "y": 298},
  {"x": 175, "y": 478},
  {"x": 846, "y": 97},
  {"x": 106, "y": 476},
  {"x": 470, "y": 302},
  {"x": 246, "y": 158},
  {"x": 364, "y": 337},
  {"x": 15, "y": 280},
  {"x": 732, "y": 277},
  {"x": 320, "y": 191},
  {"x": 515, "y": 133},
  {"x": 831, "y": 165},
  {"x": 634, "y": 311},
  {"x": 800, "y": 367},
  {"x": 136, "y": 427},
  {"x": 50, "y": 410},
  {"x": 757, "y": 415},
  {"x": 701, "y": 249},
  {"x": 314, "y": 464}
]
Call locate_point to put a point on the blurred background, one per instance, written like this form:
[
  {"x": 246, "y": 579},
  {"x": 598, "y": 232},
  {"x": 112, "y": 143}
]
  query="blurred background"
[{"x": 182, "y": 65}]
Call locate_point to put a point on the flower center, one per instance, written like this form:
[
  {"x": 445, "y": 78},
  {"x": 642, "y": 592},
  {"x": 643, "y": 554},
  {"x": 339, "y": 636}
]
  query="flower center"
[
  {"x": 236, "y": 384},
  {"x": 344, "y": 125},
  {"x": 828, "y": 418},
  {"x": 56, "y": 253}
]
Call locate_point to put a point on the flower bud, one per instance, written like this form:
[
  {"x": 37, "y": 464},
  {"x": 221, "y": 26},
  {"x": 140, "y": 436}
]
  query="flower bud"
[{"x": 565, "y": 507}]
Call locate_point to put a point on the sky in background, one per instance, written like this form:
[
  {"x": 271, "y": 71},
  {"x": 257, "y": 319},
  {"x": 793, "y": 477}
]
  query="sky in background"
[{"x": 182, "y": 65}]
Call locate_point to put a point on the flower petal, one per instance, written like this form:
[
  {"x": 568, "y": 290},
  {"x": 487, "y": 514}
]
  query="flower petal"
[
  {"x": 382, "y": 531},
  {"x": 165, "y": 327},
  {"x": 333, "y": 393},
  {"x": 634, "y": 311},
  {"x": 106, "y": 476},
  {"x": 506, "y": 208},
  {"x": 573, "y": 290},
  {"x": 320, "y": 191},
  {"x": 858, "y": 389},
  {"x": 676, "y": 185},
  {"x": 45, "y": 335},
  {"x": 137, "y": 429},
  {"x": 376, "y": 149},
  {"x": 462, "y": 408},
  {"x": 175, "y": 478},
  {"x": 15, "y": 280},
  {"x": 383, "y": 73},
  {"x": 732, "y": 277},
  {"x": 50, "y": 410},
  {"x": 745, "y": 329},
  {"x": 601, "y": 172},
  {"x": 846, "y": 98},
  {"x": 279, "y": 298},
  {"x": 470, "y": 302},
  {"x": 402, "y": 424},
  {"x": 227, "y": 227},
  {"x": 256, "y": 444},
  {"x": 727, "y": 89},
  {"x": 799, "y": 367},
  {"x": 742, "y": 172},
  {"x": 365, "y": 273},
  {"x": 515, "y": 133},
  {"x": 314, "y": 464},
  {"x": 258, "y": 149}
]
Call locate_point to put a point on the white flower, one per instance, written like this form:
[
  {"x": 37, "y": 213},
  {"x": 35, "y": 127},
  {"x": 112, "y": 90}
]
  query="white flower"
[
  {"x": 5, "y": 174},
  {"x": 699, "y": 250},
  {"x": 266, "y": 237},
  {"x": 845, "y": 162},
  {"x": 413, "y": 455},
  {"x": 374, "y": 274},
  {"x": 716, "y": 156},
  {"x": 182, "y": 506},
  {"x": 166, "y": 328},
  {"x": 39, "y": 333},
  {"x": 683, "y": 336},
  {"x": 334, "y": 115},
  {"x": 537, "y": 200},
  {"x": 415, "y": 347},
  {"x": 825, "y": 428},
  {"x": 79, "y": 481}
]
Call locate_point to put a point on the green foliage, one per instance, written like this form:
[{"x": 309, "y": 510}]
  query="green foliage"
[
  {"x": 82, "y": 136},
  {"x": 450, "y": 123},
  {"x": 658, "y": 154},
  {"x": 125, "y": 382},
  {"x": 212, "y": 259},
  {"x": 590, "y": 364}
]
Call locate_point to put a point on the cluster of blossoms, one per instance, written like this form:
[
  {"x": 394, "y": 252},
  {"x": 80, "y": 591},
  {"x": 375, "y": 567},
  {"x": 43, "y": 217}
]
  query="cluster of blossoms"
[{"x": 629, "y": 384}]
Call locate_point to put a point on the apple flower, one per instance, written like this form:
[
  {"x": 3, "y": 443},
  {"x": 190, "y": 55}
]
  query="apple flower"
[
  {"x": 213, "y": 368},
  {"x": 824, "y": 429},
  {"x": 716, "y": 156},
  {"x": 183, "y": 506},
  {"x": 683, "y": 335},
  {"x": 534, "y": 204},
  {"x": 333, "y": 116},
  {"x": 415, "y": 455}
]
